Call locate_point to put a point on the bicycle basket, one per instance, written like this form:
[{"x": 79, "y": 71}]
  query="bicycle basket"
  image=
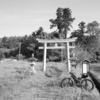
[{"x": 84, "y": 75}]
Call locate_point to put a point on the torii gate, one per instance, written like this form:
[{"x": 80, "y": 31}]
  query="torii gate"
[{"x": 45, "y": 41}]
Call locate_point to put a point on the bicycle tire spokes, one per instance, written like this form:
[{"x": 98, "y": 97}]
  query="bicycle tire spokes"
[
  {"x": 66, "y": 82},
  {"x": 87, "y": 84}
]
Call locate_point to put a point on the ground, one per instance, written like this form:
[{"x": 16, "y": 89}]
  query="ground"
[{"x": 17, "y": 82}]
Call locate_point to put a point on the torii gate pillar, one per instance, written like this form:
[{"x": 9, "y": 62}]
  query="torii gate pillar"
[
  {"x": 44, "y": 57},
  {"x": 68, "y": 57}
]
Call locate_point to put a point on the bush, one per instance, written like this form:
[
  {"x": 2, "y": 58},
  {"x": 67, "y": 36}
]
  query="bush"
[
  {"x": 32, "y": 59},
  {"x": 81, "y": 54},
  {"x": 2, "y": 55},
  {"x": 54, "y": 58},
  {"x": 20, "y": 56}
]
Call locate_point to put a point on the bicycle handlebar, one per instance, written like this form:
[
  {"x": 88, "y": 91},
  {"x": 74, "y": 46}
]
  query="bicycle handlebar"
[{"x": 72, "y": 74}]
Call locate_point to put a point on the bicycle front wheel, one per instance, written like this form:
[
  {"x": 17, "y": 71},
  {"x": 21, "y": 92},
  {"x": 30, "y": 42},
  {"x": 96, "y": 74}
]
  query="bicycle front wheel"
[
  {"x": 87, "y": 84},
  {"x": 66, "y": 82}
]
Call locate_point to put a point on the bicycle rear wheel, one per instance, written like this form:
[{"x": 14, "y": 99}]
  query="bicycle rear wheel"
[
  {"x": 87, "y": 84},
  {"x": 66, "y": 82}
]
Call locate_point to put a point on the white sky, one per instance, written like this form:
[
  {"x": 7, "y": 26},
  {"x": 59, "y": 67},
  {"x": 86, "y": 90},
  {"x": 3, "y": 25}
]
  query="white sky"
[{"x": 21, "y": 17}]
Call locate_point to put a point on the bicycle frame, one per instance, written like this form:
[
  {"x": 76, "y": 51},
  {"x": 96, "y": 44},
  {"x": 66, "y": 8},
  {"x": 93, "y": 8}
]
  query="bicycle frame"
[{"x": 76, "y": 81}]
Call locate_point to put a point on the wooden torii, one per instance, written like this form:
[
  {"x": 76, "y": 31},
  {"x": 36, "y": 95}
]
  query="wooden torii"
[{"x": 45, "y": 41}]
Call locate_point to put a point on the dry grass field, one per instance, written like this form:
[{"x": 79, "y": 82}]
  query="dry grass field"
[{"x": 17, "y": 82}]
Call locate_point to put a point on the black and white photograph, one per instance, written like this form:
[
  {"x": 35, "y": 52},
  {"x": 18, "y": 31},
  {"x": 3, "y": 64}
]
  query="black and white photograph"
[{"x": 49, "y": 50}]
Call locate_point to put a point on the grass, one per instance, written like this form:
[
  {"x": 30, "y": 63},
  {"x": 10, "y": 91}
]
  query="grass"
[{"x": 18, "y": 83}]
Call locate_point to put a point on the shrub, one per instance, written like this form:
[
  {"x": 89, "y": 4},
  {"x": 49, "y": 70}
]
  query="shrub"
[
  {"x": 81, "y": 54},
  {"x": 20, "y": 56},
  {"x": 2, "y": 55}
]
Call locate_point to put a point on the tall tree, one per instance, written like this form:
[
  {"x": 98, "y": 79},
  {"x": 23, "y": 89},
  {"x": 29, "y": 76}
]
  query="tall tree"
[
  {"x": 63, "y": 21},
  {"x": 40, "y": 33},
  {"x": 82, "y": 27},
  {"x": 92, "y": 28},
  {"x": 79, "y": 33}
]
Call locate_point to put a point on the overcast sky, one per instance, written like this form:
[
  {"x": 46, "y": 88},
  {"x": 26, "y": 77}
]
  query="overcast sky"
[{"x": 21, "y": 17}]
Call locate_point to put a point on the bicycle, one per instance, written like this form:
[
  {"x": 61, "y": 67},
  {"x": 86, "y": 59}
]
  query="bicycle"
[{"x": 81, "y": 82}]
